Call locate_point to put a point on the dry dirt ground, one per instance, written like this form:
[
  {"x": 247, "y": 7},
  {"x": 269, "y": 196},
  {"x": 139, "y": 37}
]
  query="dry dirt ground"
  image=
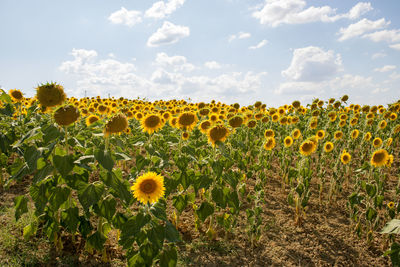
[{"x": 326, "y": 238}]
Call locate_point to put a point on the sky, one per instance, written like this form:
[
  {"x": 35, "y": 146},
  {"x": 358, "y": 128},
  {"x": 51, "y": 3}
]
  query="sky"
[{"x": 274, "y": 51}]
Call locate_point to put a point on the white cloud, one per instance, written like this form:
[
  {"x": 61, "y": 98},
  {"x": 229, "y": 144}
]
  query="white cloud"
[
  {"x": 390, "y": 36},
  {"x": 385, "y": 68},
  {"x": 176, "y": 63},
  {"x": 160, "y": 9},
  {"x": 361, "y": 27},
  {"x": 395, "y": 46},
  {"x": 126, "y": 17},
  {"x": 259, "y": 45},
  {"x": 239, "y": 35},
  {"x": 378, "y": 55},
  {"x": 169, "y": 33},
  {"x": 313, "y": 64},
  {"x": 101, "y": 76},
  {"x": 380, "y": 90},
  {"x": 277, "y": 12},
  {"x": 212, "y": 65},
  {"x": 108, "y": 76}
]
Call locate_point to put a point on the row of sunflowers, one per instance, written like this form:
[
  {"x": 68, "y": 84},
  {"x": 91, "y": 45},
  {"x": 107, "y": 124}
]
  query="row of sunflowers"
[{"x": 99, "y": 166}]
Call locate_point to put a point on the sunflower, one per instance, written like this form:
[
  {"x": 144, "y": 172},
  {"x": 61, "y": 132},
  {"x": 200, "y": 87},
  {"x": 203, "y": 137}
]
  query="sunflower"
[
  {"x": 313, "y": 124},
  {"x": 148, "y": 188},
  {"x": 66, "y": 115},
  {"x": 355, "y": 133},
  {"x": 390, "y": 161},
  {"x": 320, "y": 134},
  {"x": 185, "y": 135},
  {"x": 379, "y": 158},
  {"x": 269, "y": 143},
  {"x": 91, "y": 119},
  {"x": 393, "y": 116},
  {"x": 251, "y": 123},
  {"x": 187, "y": 121},
  {"x": 342, "y": 124},
  {"x": 151, "y": 123},
  {"x": 288, "y": 141},
  {"x": 269, "y": 133},
  {"x": 377, "y": 142},
  {"x": 307, "y": 147},
  {"x": 217, "y": 133},
  {"x": 382, "y": 124},
  {"x": 236, "y": 121},
  {"x": 390, "y": 205},
  {"x": 16, "y": 95},
  {"x": 118, "y": 123},
  {"x": 389, "y": 141},
  {"x": 338, "y": 135},
  {"x": 328, "y": 147},
  {"x": 296, "y": 134},
  {"x": 367, "y": 136},
  {"x": 204, "y": 126},
  {"x": 345, "y": 157},
  {"x": 275, "y": 117},
  {"x": 50, "y": 94}
]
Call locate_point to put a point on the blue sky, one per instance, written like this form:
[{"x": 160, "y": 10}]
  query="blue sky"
[{"x": 228, "y": 50}]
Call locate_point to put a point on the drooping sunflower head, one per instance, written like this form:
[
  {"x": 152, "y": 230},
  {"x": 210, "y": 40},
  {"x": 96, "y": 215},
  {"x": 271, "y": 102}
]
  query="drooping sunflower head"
[
  {"x": 204, "y": 126},
  {"x": 296, "y": 133},
  {"x": 217, "y": 133},
  {"x": 307, "y": 148},
  {"x": 50, "y": 94},
  {"x": 367, "y": 136},
  {"x": 338, "y": 135},
  {"x": 288, "y": 141},
  {"x": 118, "y": 123},
  {"x": 345, "y": 157},
  {"x": 377, "y": 142},
  {"x": 269, "y": 133},
  {"x": 269, "y": 143},
  {"x": 91, "y": 119},
  {"x": 16, "y": 95},
  {"x": 389, "y": 142},
  {"x": 66, "y": 115},
  {"x": 382, "y": 124},
  {"x": 251, "y": 123},
  {"x": 379, "y": 158},
  {"x": 151, "y": 123},
  {"x": 187, "y": 121},
  {"x": 148, "y": 188},
  {"x": 355, "y": 133},
  {"x": 236, "y": 121},
  {"x": 328, "y": 147}
]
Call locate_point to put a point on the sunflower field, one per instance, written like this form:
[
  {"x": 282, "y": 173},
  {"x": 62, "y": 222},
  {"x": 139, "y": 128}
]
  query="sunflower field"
[{"x": 136, "y": 173}]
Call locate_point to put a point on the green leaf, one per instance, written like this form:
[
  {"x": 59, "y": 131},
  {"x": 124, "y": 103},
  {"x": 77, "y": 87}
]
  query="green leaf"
[
  {"x": 121, "y": 156},
  {"x": 119, "y": 220},
  {"x": 156, "y": 235},
  {"x": 63, "y": 164},
  {"x": 84, "y": 226},
  {"x": 70, "y": 219},
  {"x": 169, "y": 257},
  {"x": 107, "y": 208},
  {"x": 58, "y": 196},
  {"x": 97, "y": 240},
  {"x": 141, "y": 162},
  {"x": 21, "y": 207},
  {"x": 148, "y": 252},
  {"x": 180, "y": 202},
  {"x": 5, "y": 97},
  {"x": 43, "y": 173},
  {"x": 131, "y": 228},
  {"x": 90, "y": 194},
  {"x": 159, "y": 210},
  {"x": 171, "y": 234},
  {"x": 30, "y": 230},
  {"x": 392, "y": 227},
  {"x": 50, "y": 132},
  {"x": 104, "y": 158},
  {"x": 371, "y": 190},
  {"x": 371, "y": 214},
  {"x": 136, "y": 261},
  {"x": 205, "y": 210},
  {"x": 121, "y": 188}
]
